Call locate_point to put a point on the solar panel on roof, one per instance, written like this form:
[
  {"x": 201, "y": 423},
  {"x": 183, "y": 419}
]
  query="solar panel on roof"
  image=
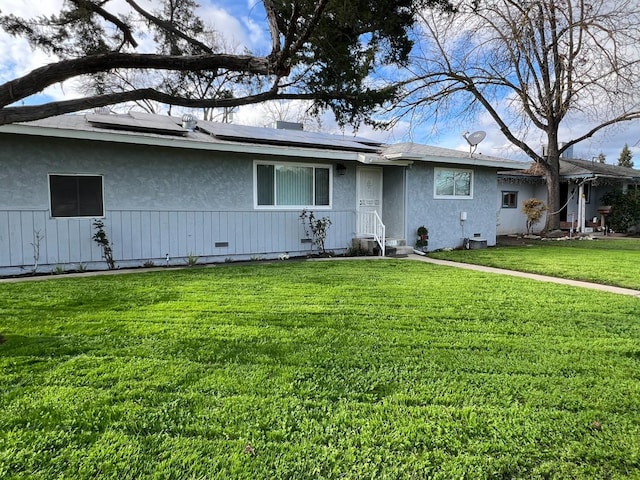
[
  {"x": 287, "y": 137},
  {"x": 137, "y": 122}
]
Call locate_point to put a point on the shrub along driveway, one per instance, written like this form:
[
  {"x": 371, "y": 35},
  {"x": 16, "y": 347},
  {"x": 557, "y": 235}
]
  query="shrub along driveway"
[{"x": 385, "y": 369}]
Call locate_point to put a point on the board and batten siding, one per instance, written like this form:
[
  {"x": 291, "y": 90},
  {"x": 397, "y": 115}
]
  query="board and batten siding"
[{"x": 138, "y": 236}]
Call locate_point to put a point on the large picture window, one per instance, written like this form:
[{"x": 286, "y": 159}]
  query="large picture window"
[
  {"x": 453, "y": 183},
  {"x": 282, "y": 185},
  {"x": 76, "y": 195}
]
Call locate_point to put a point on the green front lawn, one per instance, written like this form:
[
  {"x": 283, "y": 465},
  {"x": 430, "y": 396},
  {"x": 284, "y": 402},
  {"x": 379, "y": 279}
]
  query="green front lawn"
[
  {"x": 384, "y": 369},
  {"x": 610, "y": 262}
]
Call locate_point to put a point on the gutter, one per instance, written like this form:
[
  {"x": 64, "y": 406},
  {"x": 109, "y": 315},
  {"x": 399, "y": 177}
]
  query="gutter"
[{"x": 463, "y": 159}]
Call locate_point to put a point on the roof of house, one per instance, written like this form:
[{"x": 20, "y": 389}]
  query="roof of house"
[
  {"x": 428, "y": 153},
  {"x": 571, "y": 168},
  {"x": 163, "y": 130},
  {"x": 583, "y": 168}
]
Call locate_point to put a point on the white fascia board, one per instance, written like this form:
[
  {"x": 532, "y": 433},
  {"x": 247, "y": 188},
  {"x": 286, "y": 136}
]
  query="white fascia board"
[
  {"x": 581, "y": 176},
  {"x": 373, "y": 159},
  {"x": 184, "y": 143},
  {"x": 474, "y": 161}
]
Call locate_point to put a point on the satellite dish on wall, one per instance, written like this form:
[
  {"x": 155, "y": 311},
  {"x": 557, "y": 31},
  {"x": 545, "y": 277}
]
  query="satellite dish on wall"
[{"x": 473, "y": 139}]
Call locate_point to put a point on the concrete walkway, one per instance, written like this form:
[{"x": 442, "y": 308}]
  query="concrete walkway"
[{"x": 532, "y": 276}]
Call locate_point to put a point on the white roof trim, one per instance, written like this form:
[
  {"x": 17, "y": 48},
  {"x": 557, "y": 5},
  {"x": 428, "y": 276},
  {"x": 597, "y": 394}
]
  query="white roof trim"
[{"x": 373, "y": 159}]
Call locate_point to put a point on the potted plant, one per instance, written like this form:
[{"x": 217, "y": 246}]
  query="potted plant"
[{"x": 423, "y": 239}]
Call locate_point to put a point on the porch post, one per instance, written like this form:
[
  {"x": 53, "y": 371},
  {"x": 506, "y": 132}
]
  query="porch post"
[{"x": 581, "y": 208}]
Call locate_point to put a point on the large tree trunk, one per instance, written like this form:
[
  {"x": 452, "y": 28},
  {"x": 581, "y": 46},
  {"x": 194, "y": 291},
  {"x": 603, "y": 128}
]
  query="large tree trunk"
[{"x": 552, "y": 169}]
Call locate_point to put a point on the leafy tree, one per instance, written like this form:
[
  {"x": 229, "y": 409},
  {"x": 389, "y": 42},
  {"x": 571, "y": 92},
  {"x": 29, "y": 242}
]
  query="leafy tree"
[
  {"x": 624, "y": 160},
  {"x": 323, "y": 51},
  {"x": 530, "y": 64}
]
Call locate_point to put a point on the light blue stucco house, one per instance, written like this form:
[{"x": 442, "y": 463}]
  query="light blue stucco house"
[{"x": 166, "y": 189}]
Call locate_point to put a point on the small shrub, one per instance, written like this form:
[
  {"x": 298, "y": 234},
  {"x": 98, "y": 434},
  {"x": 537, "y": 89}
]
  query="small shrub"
[
  {"x": 423, "y": 238},
  {"x": 100, "y": 237},
  {"x": 37, "y": 239},
  {"x": 58, "y": 269},
  {"x": 192, "y": 259},
  {"x": 315, "y": 228},
  {"x": 228, "y": 260},
  {"x": 149, "y": 264},
  {"x": 533, "y": 209},
  {"x": 81, "y": 267}
]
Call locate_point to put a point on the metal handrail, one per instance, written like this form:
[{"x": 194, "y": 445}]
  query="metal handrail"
[{"x": 371, "y": 224}]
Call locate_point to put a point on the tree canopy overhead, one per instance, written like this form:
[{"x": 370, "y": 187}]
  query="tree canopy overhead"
[
  {"x": 533, "y": 66},
  {"x": 323, "y": 51}
]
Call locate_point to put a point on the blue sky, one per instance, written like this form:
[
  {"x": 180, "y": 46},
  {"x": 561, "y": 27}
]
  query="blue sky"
[{"x": 241, "y": 23}]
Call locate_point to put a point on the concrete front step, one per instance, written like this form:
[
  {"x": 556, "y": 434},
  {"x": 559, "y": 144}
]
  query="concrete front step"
[{"x": 394, "y": 247}]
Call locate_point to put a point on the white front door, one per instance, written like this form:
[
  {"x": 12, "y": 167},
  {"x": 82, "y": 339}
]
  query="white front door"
[{"x": 368, "y": 192}]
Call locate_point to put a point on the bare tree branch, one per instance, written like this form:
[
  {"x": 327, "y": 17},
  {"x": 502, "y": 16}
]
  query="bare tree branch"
[
  {"x": 272, "y": 20},
  {"x": 124, "y": 28},
  {"x": 169, "y": 27},
  {"x": 534, "y": 63},
  {"x": 35, "y": 112},
  {"x": 43, "y": 77}
]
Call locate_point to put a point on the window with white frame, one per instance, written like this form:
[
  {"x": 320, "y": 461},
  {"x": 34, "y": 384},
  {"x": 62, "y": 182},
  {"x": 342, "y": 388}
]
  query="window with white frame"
[
  {"x": 76, "y": 195},
  {"x": 453, "y": 183},
  {"x": 288, "y": 185}
]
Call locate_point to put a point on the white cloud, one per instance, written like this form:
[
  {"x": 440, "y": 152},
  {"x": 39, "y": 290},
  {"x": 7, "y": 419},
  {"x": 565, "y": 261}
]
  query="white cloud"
[
  {"x": 237, "y": 32},
  {"x": 26, "y": 9}
]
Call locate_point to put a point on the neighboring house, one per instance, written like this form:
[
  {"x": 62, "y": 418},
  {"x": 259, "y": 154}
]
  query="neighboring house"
[
  {"x": 582, "y": 185},
  {"x": 167, "y": 190}
]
